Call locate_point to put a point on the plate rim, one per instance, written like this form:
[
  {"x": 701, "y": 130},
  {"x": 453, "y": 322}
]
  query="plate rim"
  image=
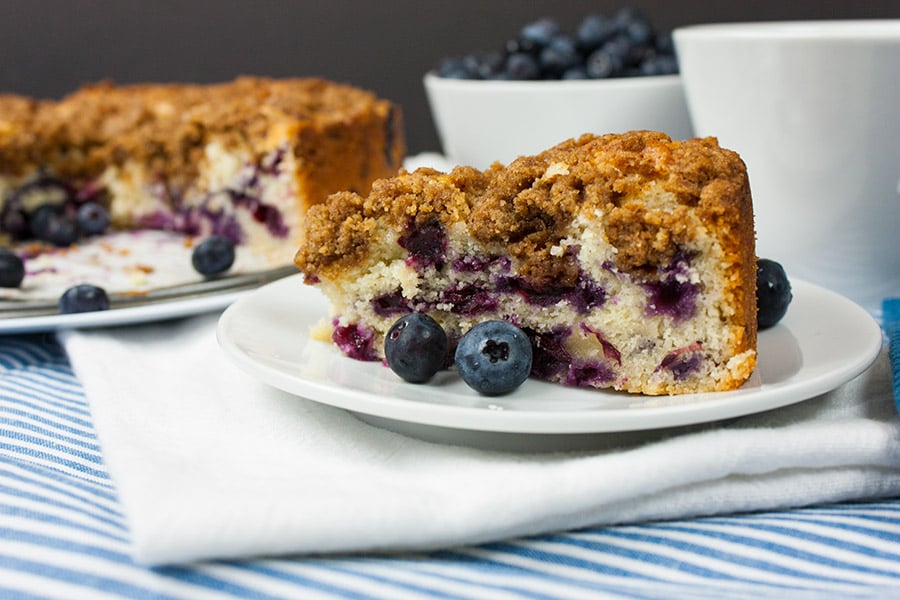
[
  {"x": 696, "y": 409},
  {"x": 169, "y": 309}
]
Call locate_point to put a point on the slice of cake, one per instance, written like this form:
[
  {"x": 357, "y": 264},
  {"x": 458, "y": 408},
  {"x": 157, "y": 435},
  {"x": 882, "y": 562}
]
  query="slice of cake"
[
  {"x": 628, "y": 260},
  {"x": 243, "y": 159}
]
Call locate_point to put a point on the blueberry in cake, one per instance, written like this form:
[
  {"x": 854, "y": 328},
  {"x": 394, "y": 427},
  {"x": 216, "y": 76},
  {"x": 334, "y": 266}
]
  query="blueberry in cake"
[
  {"x": 243, "y": 159},
  {"x": 628, "y": 260}
]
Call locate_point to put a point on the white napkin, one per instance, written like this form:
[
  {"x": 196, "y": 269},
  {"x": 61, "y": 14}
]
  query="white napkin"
[{"x": 209, "y": 463}]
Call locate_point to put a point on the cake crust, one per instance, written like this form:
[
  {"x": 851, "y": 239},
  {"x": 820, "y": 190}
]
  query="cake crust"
[{"x": 653, "y": 200}]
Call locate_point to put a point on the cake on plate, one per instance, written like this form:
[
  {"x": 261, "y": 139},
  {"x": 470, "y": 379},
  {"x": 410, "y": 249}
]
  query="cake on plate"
[
  {"x": 243, "y": 159},
  {"x": 628, "y": 259}
]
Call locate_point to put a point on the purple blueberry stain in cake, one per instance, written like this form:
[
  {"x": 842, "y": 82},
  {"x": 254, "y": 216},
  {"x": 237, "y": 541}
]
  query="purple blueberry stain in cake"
[
  {"x": 550, "y": 359},
  {"x": 681, "y": 362},
  {"x": 480, "y": 264},
  {"x": 674, "y": 295},
  {"x": 355, "y": 341},
  {"x": 270, "y": 164},
  {"x": 553, "y": 362},
  {"x": 425, "y": 244},
  {"x": 584, "y": 296},
  {"x": 391, "y": 304},
  {"x": 609, "y": 350},
  {"x": 588, "y": 374},
  {"x": 469, "y": 300},
  {"x": 230, "y": 229},
  {"x": 263, "y": 213},
  {"x": 587, "y": 294}
]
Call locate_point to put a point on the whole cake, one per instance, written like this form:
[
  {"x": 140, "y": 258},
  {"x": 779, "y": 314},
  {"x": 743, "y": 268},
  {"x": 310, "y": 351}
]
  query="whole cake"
[
  {"x": 243, "y": 159},
  {"x": 628, "y": 259}
]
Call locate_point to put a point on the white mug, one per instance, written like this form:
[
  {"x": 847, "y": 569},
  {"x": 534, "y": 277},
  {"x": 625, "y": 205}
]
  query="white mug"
[{"x": 813, "y": 108}]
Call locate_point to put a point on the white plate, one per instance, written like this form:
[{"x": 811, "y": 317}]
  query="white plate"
[
  {"x": 824, "y": 341},
  {"x": 157, "y": 305},
  {"x": 169, "y": 309}
]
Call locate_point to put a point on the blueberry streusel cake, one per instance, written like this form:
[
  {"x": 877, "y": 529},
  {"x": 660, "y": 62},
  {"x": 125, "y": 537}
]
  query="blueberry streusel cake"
[
  {"x": 627, "y": 259},
  {"x": 243, "y": 159}
]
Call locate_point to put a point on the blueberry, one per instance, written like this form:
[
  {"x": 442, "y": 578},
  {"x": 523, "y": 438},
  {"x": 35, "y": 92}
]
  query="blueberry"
[
  {"x": 12, "y": 269},
  {"x": 559, "y": 54},
  {"x": 602, "y": 64},
  {"x": 58, "y": 229},
  {"x": 485, "y": 65},
  {"x": 39, "y": 220},
  {"x": 522, "y": 66},
  {"x": 92, "y": 218},
  {"x": 540, "y": 32},
  {"x": 594, "y": 31},
  {"x": 494, "y": 357},
  {"x": 83, "y": 298},
  {"x": 416, "y": 347},
  {"x": 14, "y": 222},
  {"x": 573, "y": 73},
  {"x": 659, "y": 65},
  {"x": 773, "y": 293},
  {"x": 454, "y": 68},
  {"x": 639, "y": 32},
  {"x": 213, "y": 256},
  {"x": 664, "y": 44}
]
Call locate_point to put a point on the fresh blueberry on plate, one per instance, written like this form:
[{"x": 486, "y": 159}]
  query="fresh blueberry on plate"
[
  {"x": 213, "y": 256},
  {"x": 416, "y": 347},
  {"x": 494, "y": 357},
  {"x": 12, "y": 269},
  {"x": 83, "y": 298},
  {"x": 773, "y": 293}
]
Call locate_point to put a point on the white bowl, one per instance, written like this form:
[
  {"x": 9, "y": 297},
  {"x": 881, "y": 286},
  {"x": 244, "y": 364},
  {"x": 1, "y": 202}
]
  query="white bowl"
[
  {"x": 812, "y": 108},
  {"x": 481, "y": 121}
]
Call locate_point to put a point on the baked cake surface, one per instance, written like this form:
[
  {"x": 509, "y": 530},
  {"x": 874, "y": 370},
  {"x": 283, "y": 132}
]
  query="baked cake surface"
[
  {"x": 628, "y": 259},
  {"x": 244, "y": 159}
]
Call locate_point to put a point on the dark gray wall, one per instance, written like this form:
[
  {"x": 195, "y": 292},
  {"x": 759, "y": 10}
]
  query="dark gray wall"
[{"x": 50, "y": 47}]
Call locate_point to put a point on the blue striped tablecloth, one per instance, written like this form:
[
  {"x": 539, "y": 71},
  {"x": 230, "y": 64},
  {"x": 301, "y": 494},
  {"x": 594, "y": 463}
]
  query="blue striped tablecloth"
[{"x": 63, "y": 534}]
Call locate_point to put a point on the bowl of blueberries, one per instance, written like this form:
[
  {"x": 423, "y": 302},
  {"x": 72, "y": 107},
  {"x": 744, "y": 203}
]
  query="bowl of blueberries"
[{"x": 609, "y": 74}]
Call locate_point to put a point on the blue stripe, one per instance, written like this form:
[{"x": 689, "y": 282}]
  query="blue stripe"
[
  {"x": 67, "y": 489},
  {"x": 7, "y": 593},
  {"x": 51, "y": 519},
  {"x": 52, "y": 502},
  {"x": 38, "y": 539},
  {"x": 25, "y": 401},
  {"x": 427, "y": 565},
  {"x": 16, "y": 436},
  {"x": 37, "y": 418},
  {"x": 492, "y": 562},
  {"x": 199, "y": 578},
  {"x": 402, "y": 585},
  {"x": 45, "y": 434},
  {"x": 792, "y": 551},
  {"x": 284, "y": 576},
  {"x": 99, "y": 489},
  {"x": 52, "y": 459},
  {"x": 23, "y": 356},
  {"x": 79, "y": 578},
  {"x": 825, "y": 523},
  {"x": 71, "y": 401}
]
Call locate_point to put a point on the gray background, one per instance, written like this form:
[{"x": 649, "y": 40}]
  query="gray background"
[{"x": 50, "y": 47}]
